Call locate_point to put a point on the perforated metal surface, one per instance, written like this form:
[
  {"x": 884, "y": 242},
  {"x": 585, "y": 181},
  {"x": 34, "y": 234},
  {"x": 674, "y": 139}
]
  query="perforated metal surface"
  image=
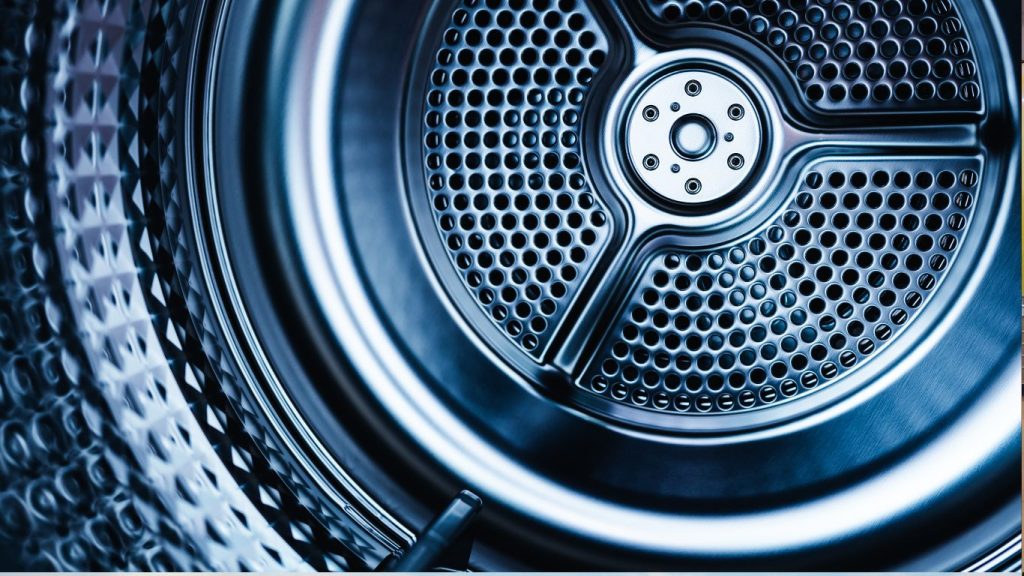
[
  {"x": 841, "y": 272},
  {"x": 853, "y": 55},
  {"x": 753, "y": 322},
  {"x": 131, "y": 435},
  {"x": 502, "y": 154}
]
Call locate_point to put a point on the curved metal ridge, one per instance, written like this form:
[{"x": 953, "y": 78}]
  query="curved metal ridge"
[
  {"x": 503, "y": 163},
  {"x": 323, "y": 514},
  {"x": 848, "y": 264}
]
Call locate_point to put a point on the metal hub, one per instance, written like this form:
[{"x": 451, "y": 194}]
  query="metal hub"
[{"x": 692, "y": 135}]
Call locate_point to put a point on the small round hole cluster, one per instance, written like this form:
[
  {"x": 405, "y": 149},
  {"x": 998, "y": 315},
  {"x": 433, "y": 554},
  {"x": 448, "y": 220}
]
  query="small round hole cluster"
[
  {"x": 503, "y": 161},
  {"x": 848, "y": 265},
  {"x": 865, "y": 54}
]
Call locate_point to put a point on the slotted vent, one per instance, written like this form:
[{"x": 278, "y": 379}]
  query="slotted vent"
[
  {"x": 871, "y": 54},
  {"x": 847, "y": 266},
  {"x": 502, "y": 157}
]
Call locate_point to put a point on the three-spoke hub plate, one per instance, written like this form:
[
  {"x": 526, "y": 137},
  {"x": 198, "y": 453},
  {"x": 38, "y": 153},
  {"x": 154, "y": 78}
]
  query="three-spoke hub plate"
[{"x": 689, "y": 272}]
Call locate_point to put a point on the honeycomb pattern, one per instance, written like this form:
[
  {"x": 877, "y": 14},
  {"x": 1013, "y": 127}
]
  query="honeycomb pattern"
[
  {"x": 502, "y": 157},
  {"x": 101, "y": 67},
  {"x": 72, "y": 493},
  {"x": 242, "y": 511},
  {"x": 106, "y": 465},
  {"x": 855, "y": 54},
  {"x": 841, "y": 272}
]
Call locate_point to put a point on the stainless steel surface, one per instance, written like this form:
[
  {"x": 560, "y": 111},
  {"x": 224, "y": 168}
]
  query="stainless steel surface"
[
  {"x": 290, "y": 275},
  {"x": 513, "y": 424},
  {"x": 855, "y": 56},
  {"x": 720, "y": 330},
  {"x": 502, "y": 155},
  {"x": 832, "y": 279}
]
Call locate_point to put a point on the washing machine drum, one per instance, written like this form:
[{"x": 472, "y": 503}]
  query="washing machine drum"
[{"x": 662, "y": 284}]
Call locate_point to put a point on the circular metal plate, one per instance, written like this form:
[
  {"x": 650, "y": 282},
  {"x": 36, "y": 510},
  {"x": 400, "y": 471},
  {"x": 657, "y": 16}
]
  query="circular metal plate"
[{"x": 692, "y": 136}]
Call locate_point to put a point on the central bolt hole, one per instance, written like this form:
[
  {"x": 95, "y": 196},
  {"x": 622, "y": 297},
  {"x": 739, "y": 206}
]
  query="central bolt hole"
[{"x": 693, "y": 136}]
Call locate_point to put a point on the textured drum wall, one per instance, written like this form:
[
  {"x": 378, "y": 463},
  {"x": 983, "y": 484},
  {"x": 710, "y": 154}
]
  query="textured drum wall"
[{"x": 509, "y": 305}]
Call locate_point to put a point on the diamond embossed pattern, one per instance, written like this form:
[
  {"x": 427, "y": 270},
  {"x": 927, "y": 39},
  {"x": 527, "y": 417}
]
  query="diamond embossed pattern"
[
  {"x": 75, "y": 496},
  {"x": 849, "y": 263},
  {"x": 107, "y": 455}
]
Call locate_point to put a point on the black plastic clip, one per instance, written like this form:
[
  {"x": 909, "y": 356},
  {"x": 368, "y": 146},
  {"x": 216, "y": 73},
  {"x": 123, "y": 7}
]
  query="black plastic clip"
[{"x": 446, "y": 543}]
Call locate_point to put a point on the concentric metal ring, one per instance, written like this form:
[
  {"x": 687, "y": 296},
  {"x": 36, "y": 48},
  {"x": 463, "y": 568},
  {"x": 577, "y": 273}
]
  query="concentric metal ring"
[{"x": 450, "y": 393}]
